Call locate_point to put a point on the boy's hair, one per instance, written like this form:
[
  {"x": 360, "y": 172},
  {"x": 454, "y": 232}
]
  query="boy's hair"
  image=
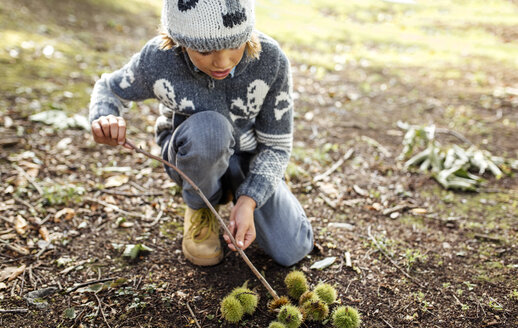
[{"x": 252, "y": 48}]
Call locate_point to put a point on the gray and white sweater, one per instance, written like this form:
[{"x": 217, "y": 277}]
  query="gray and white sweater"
[{"x": 257, "y": 101}]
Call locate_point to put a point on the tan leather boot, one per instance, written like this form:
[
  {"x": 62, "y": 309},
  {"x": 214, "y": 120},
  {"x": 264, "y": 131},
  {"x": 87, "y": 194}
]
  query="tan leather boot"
[{"x": 201, "y": 244}]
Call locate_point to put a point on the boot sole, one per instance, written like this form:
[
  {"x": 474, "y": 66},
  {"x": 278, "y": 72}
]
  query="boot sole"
[{"x": 202, "y": 261}]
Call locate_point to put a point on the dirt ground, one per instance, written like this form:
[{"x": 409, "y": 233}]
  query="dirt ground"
[{"x": 421, "y": 256}]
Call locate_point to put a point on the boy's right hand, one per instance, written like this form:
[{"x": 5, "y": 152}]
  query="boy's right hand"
[{"x": 110, "y": 130}]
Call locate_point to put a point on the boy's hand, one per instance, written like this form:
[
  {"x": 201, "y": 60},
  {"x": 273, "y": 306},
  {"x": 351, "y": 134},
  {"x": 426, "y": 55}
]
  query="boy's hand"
[
  {"x": 110, "y": 130},
  {"x": 241, "y": 223}
]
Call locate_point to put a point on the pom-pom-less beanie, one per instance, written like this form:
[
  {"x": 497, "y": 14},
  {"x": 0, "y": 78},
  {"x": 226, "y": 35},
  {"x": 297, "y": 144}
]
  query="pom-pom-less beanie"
[{"x": 208, "y": 25}]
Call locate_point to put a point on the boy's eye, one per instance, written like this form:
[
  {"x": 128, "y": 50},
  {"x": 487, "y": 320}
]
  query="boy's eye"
[{"x": 205, "y": 53}]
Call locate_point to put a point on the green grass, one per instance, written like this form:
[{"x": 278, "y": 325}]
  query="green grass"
[
  {"x": 432, "y": 33},
  {"x": 95, "y": 36}
]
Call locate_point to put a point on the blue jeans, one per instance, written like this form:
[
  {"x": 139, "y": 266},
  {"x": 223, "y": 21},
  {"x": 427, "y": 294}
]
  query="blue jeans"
[{"x": 202, "y": 147}]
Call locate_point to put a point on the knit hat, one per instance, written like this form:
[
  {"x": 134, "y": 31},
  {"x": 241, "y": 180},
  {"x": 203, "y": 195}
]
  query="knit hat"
[{"x": 207, "y": 25}]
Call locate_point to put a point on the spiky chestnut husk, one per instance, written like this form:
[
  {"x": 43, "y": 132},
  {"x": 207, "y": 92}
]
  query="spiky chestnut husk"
[
  {"x": 296, "y": 284},
  {"x": 247, "y": 298},
  {"x": 277, "y": 304},
  {"x": 276, "y": 324},
  {"x": 326, "y": 293},
  {"x": 309, "y": 295},
  {"x": 315, "y": 309},
  {"x": 290, "y": 316},
  {"x": 231, "y": 309},
  {"x": 346, "y": 317}
]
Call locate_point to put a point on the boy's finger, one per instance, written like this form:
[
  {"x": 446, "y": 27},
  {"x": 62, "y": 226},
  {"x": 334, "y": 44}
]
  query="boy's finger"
[
  {"x": 114, "y": 127},
  {"x": 240, "y": 236},
  {"x": 121, "y": 137},
  {"x": 105, "y": 126},
  {"x": 96, "y": 129}
]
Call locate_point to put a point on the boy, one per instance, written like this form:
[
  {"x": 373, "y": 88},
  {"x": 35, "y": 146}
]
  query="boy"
[{"x": 226, "y": 121}]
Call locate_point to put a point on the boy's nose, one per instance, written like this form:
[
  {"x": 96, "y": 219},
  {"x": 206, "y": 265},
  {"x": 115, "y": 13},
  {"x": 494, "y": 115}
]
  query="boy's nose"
[{"x": 222, "y": 60}]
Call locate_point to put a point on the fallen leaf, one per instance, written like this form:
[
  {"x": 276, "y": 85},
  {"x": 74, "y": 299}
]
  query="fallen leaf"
[
  {"x": 116, "y": 181},
  {"x": 323, "y": 263},
  {"x": 11, "y": 273},
  {"x": 132, "y": 251},
  {"x": 67, "y": 213},
  {"x": 341, "y": 225},
  {"x": 44, "y": 233},
  {"x": 328, "y": 188},
  {"x": 20, "y": 225},
  {"x": 418, "y": 211}
]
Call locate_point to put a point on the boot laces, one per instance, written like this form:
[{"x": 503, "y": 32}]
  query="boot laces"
[{"x": 204, "y": 223}]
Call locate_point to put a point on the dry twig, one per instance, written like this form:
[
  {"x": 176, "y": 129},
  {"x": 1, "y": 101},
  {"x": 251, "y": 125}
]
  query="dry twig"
[
  {"x": 335, "y": 166},
  {"x": 101, "y": 308},
  {"x": 19, "y": 310},
  {"x": 84, "y": 284},
  {"x": 115, "y": 208},
  {"x": 209, "y": 205},
  {"x": 390, "y": 259},
  {"x": 129, "y": 194},
  {"x": 192, "y": 313}
]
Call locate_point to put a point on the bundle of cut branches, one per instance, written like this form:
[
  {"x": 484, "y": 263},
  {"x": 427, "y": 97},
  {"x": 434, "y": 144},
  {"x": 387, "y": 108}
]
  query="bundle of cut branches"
[{"x": 453, "y": 167}]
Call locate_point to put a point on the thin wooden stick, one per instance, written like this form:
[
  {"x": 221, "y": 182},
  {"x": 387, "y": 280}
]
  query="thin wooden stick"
[
  {"x": 84, "y": 284},
  {"x": 21, "y": 310},
  {"x": 192, "y": 313},
  {"x": 101, "y": 308},
  {"x": 390, "y": 259},
  {"x": 115, "y": 208},
  {"x": 335, "y": 166},
  {"x": 209, "y": 205}
]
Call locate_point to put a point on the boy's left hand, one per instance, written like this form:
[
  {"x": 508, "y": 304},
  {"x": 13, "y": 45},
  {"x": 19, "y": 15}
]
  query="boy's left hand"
[{"x": 241, "y": 224}]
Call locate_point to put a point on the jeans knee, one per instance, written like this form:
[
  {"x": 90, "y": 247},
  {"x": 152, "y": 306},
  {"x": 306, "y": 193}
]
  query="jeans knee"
[
  {"x": 288, "y": 255},
  {"x": 207, "y": 135}
]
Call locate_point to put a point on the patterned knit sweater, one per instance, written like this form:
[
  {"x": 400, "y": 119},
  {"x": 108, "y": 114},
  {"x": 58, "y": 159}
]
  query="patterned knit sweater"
[{"x": 257, "y": 102}]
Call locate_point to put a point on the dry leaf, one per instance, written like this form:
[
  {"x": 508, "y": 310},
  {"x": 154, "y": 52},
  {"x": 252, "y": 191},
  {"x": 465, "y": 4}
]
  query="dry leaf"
[
  {"x": 328, "y": 188},
  {"x": 419, "y": 211},
  {"x": 20, "y": 225},
  {"x": 11, "y": 273},
  {"x": 44, "y": 233},
  {"x": 67, "y": 213},
  {"x": 116, "y": 181}
]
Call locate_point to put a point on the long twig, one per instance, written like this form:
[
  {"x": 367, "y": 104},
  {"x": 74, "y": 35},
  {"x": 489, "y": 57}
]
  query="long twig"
[
  {"x": 390, "y": 259},
  {"x": 129, "y": 194},
  {"x": 101, "y": 308},
  {"x": 335, "y": 166},
  {"x": 84, "y": 284},
  {"x": 20, "y": 310},
  {"x": 115, "y": 208},
  {"x": 455, "y": 134},
  {"x": 192, "y": 313},
  {"x": 209, "y": 205}
]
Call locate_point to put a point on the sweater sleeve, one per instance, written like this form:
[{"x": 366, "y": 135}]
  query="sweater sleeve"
[
  {"x": 113, "y": 91},
  {"x": 274, "y": 133}
]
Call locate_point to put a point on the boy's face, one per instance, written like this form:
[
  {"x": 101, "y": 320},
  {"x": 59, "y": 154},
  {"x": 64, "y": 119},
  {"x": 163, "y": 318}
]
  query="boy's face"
[{"x": 217, "y": 64}]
